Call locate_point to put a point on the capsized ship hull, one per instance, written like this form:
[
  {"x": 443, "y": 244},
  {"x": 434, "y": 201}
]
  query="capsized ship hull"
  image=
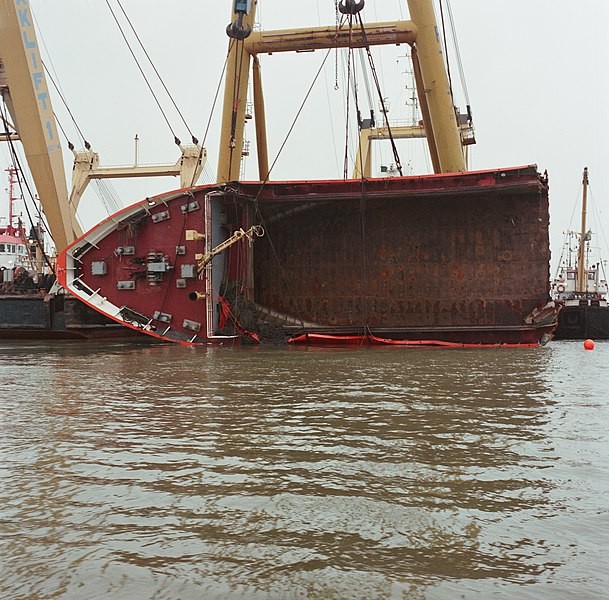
[{"x": 458, "y": 259}]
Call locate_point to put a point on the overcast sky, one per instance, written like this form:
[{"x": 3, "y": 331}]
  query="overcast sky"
[{"x": 536, "y": 72}]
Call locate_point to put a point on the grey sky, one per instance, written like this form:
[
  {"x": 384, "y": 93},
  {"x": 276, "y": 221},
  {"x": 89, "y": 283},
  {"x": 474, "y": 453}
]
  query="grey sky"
[{"x": 536, "y": 72}]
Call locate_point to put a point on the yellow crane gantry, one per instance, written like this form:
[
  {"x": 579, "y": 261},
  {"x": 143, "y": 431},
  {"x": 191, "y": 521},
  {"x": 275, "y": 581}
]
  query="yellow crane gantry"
[{"x": 441, "y": 127}]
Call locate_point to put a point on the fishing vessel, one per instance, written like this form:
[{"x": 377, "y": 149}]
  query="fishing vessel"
[
  {"x": 580, "y": 285},
  {"x": 421, "y": 260}
]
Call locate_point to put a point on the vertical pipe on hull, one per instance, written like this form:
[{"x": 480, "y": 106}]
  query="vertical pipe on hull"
[
  {"x": 436, "y": 88},
  {"x": 235, "y": 99}
]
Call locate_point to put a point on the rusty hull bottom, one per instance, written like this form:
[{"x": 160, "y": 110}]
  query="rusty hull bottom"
[{"x": 460, "y": 258}]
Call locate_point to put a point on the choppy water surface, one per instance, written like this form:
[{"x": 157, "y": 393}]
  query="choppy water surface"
[{"x": 166, "y": 472}]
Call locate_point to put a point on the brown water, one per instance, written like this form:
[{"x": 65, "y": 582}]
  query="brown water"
[{"x": 166, "y": 472}]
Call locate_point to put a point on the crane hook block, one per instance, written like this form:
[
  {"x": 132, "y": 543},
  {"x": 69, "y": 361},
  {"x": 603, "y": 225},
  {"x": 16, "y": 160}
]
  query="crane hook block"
[
  {"x": 236, "y": 30},
  {"x": 351, "y": 7}
]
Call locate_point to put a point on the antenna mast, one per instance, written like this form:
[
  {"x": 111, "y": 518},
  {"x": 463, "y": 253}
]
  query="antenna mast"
[{"x": 581, "y": 267}]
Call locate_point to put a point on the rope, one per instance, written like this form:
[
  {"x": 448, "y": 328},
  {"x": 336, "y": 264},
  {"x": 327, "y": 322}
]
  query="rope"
[
  {"x": 457, "y": 52},
  {"x": 65, "y": 135},
  {"x": 348, "y": 99},
  {"x": 211, "y": 114}
]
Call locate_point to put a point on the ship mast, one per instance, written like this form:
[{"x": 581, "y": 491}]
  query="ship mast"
[
  {"x": 12, "y": 181},
  {"x": 582, "y": 282}
]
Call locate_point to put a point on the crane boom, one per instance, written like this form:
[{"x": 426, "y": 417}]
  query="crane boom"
[{"x": 26, "y": 95}]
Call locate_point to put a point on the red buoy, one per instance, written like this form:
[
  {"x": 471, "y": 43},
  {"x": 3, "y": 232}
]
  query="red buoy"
[{"x": 589, "y": 344}]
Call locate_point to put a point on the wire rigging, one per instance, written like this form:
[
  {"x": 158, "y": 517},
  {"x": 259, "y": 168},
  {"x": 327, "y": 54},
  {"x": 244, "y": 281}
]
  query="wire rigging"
[
  {"x": 175, "y": 137},
  {"x": 61, "y": 96},
  {"x": 348, "y": 98},
  {"x": 377, "y": 84},
  {"x": 137, "y": 37},
  {"x": 22, "y": 180},
  {"x": 211, "y": 113},
  {"x": 458, "y": 53}
]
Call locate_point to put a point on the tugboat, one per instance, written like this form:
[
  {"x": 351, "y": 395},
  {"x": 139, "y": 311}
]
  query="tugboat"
[{"x": 580, "y": 286}]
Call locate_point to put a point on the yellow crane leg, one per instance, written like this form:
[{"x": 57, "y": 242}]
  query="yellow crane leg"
[
  {"x": 435, "y": 90},
  {"x": 235, "y": 100},
  {"x": 261, "y": 140}
]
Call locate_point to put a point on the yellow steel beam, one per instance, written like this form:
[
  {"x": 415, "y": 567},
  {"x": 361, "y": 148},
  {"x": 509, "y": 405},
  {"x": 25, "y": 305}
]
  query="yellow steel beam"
[
  {"x": 435, "y": 90},
  {"x": 317, "y": 38},
  {"x": 363, "y": 160},
  {"x": 261, "y": 140},
  {"x": 235, "y": 100},
  {"x": 426, "y": 115},
  {"x": 32, "y": 112}
]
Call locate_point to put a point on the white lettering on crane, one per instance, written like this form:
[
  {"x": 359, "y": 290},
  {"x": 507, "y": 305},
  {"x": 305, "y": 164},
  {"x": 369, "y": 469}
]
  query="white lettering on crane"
[{"x": 37, "y": 75}]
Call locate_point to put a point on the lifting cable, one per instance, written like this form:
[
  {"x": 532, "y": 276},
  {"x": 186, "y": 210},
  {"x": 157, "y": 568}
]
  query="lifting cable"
[
  {"x": 235, "y": 103},
  {"x": 59, "y": 91},
  {"x": 61, "y": 96},
  {"x": 453, "y": 30},
  {"x": 450, "y": 79},
  {"x": 213, "y": 108},
  {"x": 348, "y": 99},
  {"x": 175, "y": 137},
  {"x": 377, "y": 84},
  {"x": 137, "y": 37},
  {"x": 363, "y": 198}
]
